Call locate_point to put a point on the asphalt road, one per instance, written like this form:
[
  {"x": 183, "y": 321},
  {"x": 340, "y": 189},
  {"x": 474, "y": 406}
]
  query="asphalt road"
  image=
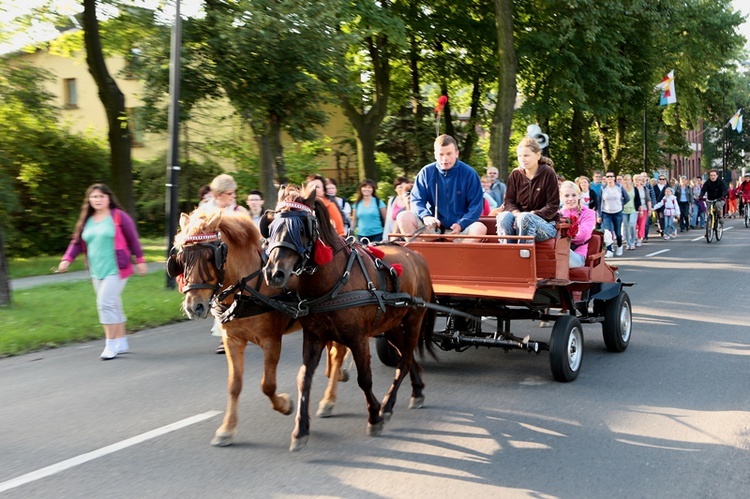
[{"x": 669, "y": 417}]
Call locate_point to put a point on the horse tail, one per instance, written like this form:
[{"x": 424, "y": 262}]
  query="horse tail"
[{"x": 427, "y": 329}]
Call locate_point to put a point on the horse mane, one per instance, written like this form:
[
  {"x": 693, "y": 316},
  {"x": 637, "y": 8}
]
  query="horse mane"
[{"x": 236, "y": 229}]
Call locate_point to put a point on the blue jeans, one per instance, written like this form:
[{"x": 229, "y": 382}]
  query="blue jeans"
[
  {"x": 613, "y": 222},
  {"x": 669, "y": 229},
  {"x": 525, "y": 224},
  {"x": 575, "y": 260},
  {"x": 628, "y": 227},
  {"x": 698, "y": 215}
]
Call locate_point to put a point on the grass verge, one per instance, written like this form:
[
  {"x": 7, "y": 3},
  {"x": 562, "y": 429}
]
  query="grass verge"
[
  {"x": 60, "y": 314},
  {"x": 153, "y": 249}
]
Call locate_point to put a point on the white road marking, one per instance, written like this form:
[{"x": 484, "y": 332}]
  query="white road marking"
[
  {"x": 704, "y": 234},
  {"x": 657, "y": 253},
  {"x": 109, "y": 449}
]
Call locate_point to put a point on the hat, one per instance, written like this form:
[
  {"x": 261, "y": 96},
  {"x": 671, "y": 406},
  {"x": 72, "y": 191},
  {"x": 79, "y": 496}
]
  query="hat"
[{"x": 747, "y": 174}]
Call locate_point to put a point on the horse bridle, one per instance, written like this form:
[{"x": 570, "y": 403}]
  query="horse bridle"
[
  {"x": 299, "y": 215},
  {"x": 218, "y": 249}
]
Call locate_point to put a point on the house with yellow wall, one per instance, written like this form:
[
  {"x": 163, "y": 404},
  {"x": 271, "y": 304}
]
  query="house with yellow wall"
[{"x": 76, "y": 96}]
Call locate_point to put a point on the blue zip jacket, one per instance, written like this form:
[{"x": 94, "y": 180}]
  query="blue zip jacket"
[{"x": 459, "y": 194}]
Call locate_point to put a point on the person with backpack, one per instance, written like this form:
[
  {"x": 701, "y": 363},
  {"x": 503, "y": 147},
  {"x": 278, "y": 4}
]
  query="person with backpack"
[{"x": 368, "y": 213}]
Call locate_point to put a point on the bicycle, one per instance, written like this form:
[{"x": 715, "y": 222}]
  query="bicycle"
[
  {"x": 746, "y": 211},
  {"x": 714, "y": 225}
]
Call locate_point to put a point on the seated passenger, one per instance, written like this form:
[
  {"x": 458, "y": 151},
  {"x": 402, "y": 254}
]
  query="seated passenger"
[
  {"x": 446, "y": 195},
  {"x": 489, "y": 201},
  {"x": 582, "y": 222},
  {"x": 532, "y": 197}
]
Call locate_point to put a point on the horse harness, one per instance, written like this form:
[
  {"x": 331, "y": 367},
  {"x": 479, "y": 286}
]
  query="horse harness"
[
  {"x": 255, "y": 304},
  {"x": 302, "y": 218},
  {"x": 218, "y": 249}
]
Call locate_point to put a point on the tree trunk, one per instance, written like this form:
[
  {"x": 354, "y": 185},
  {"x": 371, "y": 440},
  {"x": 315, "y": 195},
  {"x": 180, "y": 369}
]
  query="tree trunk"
[
  {"x": 265, "y": 157},
  {"x": 471, "y": 135},
  {"x": 4, "y": 278},
  {"x": 577, "y": 142},
  {"x": 367, "y": 123},
  {"x": 277, "y": 150},
  {"x": 602, "y": 129},
  {"x": 112, "y": 98},
  {"x": 506, "y": 88},
  {"x": 416, "y": 101}
]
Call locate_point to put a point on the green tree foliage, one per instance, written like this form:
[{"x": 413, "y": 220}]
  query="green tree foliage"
[
  {"x": 47, "y": 168},
  {"x": 588, "y": 70},
  {"x": 269, "y": 58}
]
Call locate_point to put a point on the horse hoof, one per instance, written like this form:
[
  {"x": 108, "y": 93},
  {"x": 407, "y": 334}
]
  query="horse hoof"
[
  {"x": 298, "y": 444},
  {"x": 289, "y": 404},
  {"x": 325, "y": 409},
  {"x": 222, "y": 440},
  {"x": 344, "y": 376},
  {"x": 387, "y": 417},
  {"x": 374, "y": 430},
  {"x": 416, "y": 402}
]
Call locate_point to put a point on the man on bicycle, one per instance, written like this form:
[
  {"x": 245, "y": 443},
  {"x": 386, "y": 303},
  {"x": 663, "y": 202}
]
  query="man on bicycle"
[{"x": 715, "y": 190}]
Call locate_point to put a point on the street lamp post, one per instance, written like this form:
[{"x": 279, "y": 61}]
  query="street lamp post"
[{"x": 173, "y": 157}]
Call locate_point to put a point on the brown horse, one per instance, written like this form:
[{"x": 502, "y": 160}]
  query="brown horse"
[
  {"x": 213, "y": 252},
  {"x": 352, "y": 294}
]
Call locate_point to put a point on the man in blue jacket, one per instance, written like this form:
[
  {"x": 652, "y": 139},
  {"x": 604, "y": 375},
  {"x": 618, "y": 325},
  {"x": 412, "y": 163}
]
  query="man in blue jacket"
[{"x": 447, "y": 195}]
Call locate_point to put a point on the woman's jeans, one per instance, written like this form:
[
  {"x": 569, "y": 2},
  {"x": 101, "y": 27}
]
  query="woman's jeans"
[
  {"x": 698, "y": 215},
  {"x": 613, "y": 223},
  {"x": 525, "y": 224},
  {"x": 628, "y": 227}
]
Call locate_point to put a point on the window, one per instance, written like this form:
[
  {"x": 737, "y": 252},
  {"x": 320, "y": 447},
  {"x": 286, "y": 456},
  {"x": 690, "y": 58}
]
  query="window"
[
  {"x": 135, "y": 124},
  {"x": 70, "y": 92}
]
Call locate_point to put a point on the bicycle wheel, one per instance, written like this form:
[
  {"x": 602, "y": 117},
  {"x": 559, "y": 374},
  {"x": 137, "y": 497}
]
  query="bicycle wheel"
[
  {"x": 719, "y": 229},
  {"x": 747, "y": 216},
  {"x": 710, "y": 227}
]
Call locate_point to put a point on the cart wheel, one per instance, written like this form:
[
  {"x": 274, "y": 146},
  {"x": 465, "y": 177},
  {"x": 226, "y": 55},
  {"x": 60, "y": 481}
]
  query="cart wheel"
[
  {"x": 566, "y": 348},
  {"x": 387, "y": 354},
  {"x": 618, "y": 323}
]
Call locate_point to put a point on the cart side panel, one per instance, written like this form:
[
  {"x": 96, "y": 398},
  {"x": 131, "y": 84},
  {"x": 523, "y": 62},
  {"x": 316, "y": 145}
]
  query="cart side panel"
[{"x": 485, "y": 269}]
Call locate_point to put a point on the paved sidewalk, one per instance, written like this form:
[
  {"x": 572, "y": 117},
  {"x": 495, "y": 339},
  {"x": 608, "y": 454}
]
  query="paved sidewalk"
[{"x": 30, "y": 282}]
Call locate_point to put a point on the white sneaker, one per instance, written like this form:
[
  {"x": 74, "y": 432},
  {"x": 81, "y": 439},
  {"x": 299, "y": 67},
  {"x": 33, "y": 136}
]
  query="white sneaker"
[
  {"x": 618, "y": 251},
  {"x": 121, "y": 345},
  {"x": 609, "y": 254},
  {"x": 110, "y": 351}
]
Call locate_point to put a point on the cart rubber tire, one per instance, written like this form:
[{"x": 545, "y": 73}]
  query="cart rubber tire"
[
  {"x": 618, "y": 323},
  {"x": 387, "y": 354},
  {"x": 719, "y": 230},
  {"x": 566, "y": 348}
]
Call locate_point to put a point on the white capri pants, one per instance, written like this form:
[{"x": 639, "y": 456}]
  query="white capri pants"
[{"x": 109, "y": 300}]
